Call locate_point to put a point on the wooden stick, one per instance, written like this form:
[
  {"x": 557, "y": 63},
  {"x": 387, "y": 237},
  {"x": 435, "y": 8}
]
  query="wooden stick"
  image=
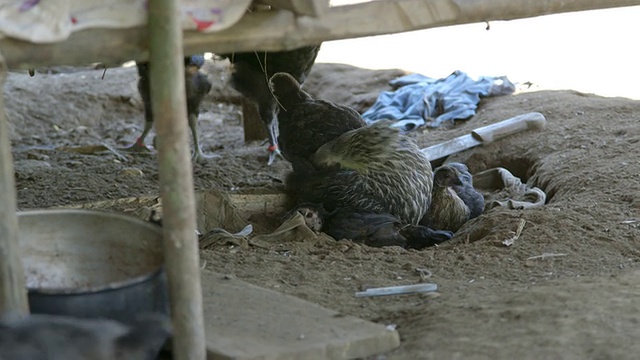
[
  {"x": 176, "y": 180},
  {"x": 512, "y": 239},
  {"x": 13, "y": 292},
  {"x": 282, "y": 30}
]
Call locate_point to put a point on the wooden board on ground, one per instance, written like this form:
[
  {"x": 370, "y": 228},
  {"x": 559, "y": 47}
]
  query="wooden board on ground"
[{"x": 243, "y": 321}]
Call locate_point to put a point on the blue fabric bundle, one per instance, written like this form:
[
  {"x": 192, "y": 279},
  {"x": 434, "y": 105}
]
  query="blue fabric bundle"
[{"x": 422, "y": 101}]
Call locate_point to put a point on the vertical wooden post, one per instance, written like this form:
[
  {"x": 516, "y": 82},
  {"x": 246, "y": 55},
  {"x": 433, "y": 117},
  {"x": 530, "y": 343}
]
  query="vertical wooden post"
[
  {"x": 176, "y": 179},
  {"x": 13, "y": 292},
  {"x": 253, "y": 126}
]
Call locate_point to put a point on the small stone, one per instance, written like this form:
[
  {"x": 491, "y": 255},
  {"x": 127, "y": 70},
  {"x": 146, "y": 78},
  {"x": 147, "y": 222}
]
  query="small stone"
[
  {"x": 81, "y": 129},
  {"x": 130, "y": 172}
]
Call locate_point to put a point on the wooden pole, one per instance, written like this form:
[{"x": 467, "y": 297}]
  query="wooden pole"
[
  {"x": 176, "y": 179},
  {"x": 253, "y": 126},
  {"x": 13, "y": 292},
  {"x": 283, "y": 30}
]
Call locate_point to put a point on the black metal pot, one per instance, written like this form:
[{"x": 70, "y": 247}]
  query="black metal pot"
[{"x": 92, "y": 264}]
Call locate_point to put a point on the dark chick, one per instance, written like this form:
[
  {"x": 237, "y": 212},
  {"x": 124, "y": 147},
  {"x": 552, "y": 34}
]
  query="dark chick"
[
  {"x": 305, "y": 123},
  {"x": 379, "y": 230},
  {"x": 47, "y": 337},
  {"x": 464, "y": 174},
  {"x": 371, "y": 229},
  {"x": 251, "y": 72},
  {"x": 382, "y": 171},
  {"x": 448, "y": 211},
  {"x": 196, "y": 87},
  {"x": 472, "y": 197}
]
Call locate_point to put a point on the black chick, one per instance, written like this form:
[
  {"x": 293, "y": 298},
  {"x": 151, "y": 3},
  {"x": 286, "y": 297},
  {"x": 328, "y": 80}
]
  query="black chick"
[
  {"x": 382, "y": 171},
  {"x": 196, "y": 85},
  {"x": 305, "y": 124},
  {"x": 251, "y": 72},
  {"x": 36, "y": 337},
  {"x": 371, "y": 229},
  {"x": 472, "y": 197}
]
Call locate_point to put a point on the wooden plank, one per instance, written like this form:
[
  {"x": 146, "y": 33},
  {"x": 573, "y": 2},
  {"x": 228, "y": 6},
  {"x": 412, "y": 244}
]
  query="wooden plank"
[
  {"x": 314, "y": 8},
  {"x": 182, "y": 260},
  {"x": 244, "y": 321},
  {"x": 269, "y": 203},
  {"x": 281, "y": 29},
  {"x": 13, "y": 292}
]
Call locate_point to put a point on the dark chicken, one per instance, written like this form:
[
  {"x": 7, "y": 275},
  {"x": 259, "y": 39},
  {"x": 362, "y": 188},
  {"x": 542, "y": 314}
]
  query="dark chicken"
[
  {"x": 369, "y": 228},
  {"x": 305, "y": 124},
  {"x": 251, "y": 72},
  {"x": 47, "y": 337},
  {"x": 382, "y": 171},
  {"x": 196, "y": 85}
]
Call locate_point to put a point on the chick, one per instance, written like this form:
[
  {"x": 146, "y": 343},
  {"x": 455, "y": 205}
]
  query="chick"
[
  {"x": 305, "y": 123},
  {"x": 313, "y": 214},
  {"x": 448, "y": 211},
  {"x": 471, "y": 197},
  {"x": 371, "y": 229}
]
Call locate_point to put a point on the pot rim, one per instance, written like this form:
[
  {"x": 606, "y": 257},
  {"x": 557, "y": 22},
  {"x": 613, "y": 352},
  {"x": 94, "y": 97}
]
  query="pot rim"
[
  {"x": 112, "y": 286},
  {"x": 86, "y": 290}
]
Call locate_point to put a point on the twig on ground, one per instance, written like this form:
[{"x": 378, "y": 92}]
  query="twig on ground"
[{"x": 516, "y": 234}]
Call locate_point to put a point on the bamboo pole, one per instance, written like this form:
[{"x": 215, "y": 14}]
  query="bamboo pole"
[
  {"x": 176, "y": 180},
  {"x": 282, "y": 30},
  {"x": 13, "y": 292}
]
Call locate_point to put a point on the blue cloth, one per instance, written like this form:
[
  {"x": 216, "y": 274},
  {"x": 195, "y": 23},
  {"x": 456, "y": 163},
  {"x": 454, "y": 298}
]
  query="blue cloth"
[
  {"x": 422, "y": 101},
  {"x": 196, "y": 60}
]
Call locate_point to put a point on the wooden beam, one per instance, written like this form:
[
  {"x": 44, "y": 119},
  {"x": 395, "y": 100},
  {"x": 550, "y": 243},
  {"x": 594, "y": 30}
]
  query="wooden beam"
[
  {"x": 282, "y": 30},
  {"x": 13, "y": 292},
  {"x": 182, "y": 260}
]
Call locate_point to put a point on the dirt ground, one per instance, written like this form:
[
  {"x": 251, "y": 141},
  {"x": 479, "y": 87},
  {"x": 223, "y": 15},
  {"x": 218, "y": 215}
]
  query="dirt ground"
[{"x": 578, "y": 301}]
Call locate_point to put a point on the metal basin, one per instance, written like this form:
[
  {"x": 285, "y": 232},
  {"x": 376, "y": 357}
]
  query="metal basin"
[{"x": 92, "y": 264}]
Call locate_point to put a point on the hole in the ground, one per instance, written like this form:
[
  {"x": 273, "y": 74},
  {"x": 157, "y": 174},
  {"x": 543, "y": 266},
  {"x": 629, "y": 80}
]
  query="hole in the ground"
[
  {"x": 520, "y": 167},
  {"x": 523, "y": 167}
]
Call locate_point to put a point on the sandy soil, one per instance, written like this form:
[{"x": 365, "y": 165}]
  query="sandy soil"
[{"x": 581, "y": 302}]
